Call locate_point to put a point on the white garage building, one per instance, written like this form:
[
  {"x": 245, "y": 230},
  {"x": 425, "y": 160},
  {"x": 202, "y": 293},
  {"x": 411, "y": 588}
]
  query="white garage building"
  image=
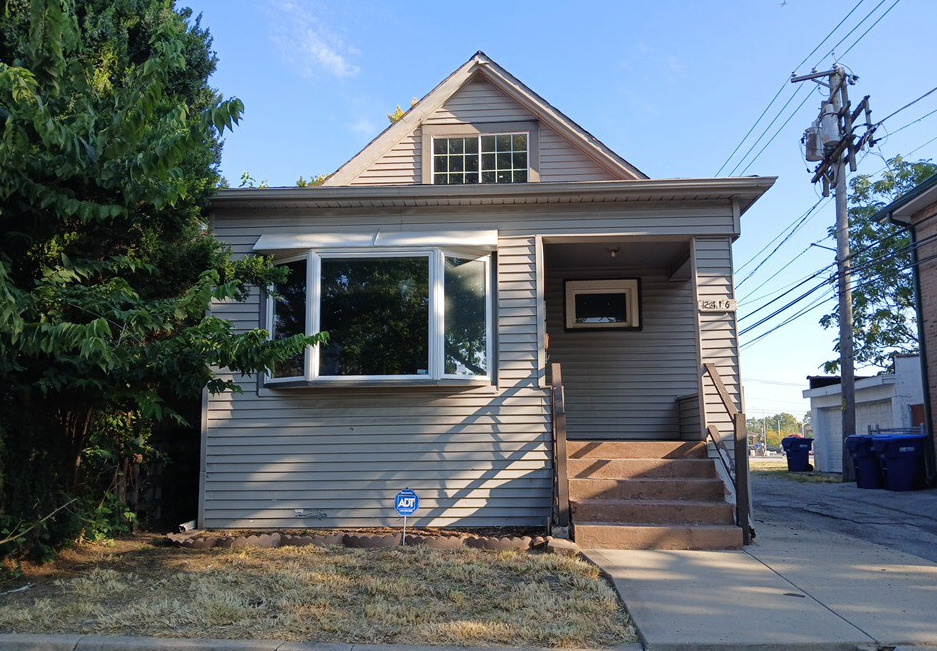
[{"x": 885, "y": 401}]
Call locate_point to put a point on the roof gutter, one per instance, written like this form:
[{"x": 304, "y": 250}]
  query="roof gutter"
[{"x": 746, "y": 189}]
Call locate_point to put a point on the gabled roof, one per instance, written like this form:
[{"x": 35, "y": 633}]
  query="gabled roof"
[{"x": 480, "y": 65}]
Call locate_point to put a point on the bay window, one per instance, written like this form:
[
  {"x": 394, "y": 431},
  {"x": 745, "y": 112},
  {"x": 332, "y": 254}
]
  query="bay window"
[{"x": 391, "y": 314}]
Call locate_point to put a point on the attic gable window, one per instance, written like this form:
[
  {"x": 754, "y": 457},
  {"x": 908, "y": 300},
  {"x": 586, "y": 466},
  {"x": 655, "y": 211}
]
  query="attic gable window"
[
  {"x": 486, "y": 158},
  {"x": 480, "y": 153}
]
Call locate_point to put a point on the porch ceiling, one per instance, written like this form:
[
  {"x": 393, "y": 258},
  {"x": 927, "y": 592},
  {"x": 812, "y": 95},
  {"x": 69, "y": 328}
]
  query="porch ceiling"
[{"x": 630, "y": 254}]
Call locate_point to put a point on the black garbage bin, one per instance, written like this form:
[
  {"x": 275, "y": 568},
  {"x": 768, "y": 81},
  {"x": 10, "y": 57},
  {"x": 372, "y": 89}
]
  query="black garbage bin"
[
  {"x": 797, "y": 449},
  {"x": 902, "y": 460},
  {"x": 865, "y": 461}
]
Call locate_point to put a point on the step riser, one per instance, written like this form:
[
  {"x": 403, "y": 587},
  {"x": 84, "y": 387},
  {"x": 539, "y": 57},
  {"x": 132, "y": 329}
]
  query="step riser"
[
  {"x": 646, "y": 489},
  {"x": 639, "y": 512},
  {"x": 590, "y": 536},
  {"x": 641, "y": 468},
  {"x": 636, "y": 449}
]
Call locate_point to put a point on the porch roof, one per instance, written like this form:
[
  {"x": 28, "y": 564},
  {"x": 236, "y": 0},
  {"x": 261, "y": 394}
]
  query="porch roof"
[{"x": 745, "y": 190}]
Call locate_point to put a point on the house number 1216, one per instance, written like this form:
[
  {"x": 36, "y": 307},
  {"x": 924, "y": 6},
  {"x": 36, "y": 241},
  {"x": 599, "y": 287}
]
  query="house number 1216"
[{"x": 717, "y": 305}]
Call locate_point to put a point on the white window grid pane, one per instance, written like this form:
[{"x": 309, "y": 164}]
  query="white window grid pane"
[
  {"x": 457, "y": 177},
  {"x": 489, "y": 144}
]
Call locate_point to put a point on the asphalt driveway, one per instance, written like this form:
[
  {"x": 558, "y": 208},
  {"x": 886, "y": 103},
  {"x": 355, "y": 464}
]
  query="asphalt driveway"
[{"x": 902, "y": 521}]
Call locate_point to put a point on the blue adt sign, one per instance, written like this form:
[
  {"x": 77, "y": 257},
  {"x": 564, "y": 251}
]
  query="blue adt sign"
[{"x": 406, "y": 502}]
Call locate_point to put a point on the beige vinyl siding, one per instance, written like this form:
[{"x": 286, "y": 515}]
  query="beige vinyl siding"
[
  {"x": 399, "y": 166},
  {"x": 477, "y": 457},
  {"x": 623, "y": 384},
  {"x": 331, "y": 457},
  {"x": 481, "y": 102},
  {"x": 718, "y": 330},
  {"x": 560, "y": 161}
]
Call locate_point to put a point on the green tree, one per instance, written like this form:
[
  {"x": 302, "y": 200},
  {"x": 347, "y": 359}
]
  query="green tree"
[
  {"x": 884, "y": 321},
  {"x": 771, "y": 429},
  {"x": 109, "y": 145}
]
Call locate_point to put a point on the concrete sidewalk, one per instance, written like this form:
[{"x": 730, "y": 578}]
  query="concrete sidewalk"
[{"x": 792, "y": 588}]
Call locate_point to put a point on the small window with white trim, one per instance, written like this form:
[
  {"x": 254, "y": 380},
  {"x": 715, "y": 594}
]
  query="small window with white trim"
[
  {"x": 603, "y": 304},
  {"x": 391, "y": 314}
]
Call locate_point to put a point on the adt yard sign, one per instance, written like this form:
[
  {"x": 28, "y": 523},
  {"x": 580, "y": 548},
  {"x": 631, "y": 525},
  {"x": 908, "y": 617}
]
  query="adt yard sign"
[{"x": 407, "y": 502}]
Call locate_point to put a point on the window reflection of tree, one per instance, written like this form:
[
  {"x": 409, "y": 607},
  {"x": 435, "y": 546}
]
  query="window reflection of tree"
[
  {"x": 289, "y": 315},
  {"x": 465, "y": 331},
  {"x": 376, "y": 311}
]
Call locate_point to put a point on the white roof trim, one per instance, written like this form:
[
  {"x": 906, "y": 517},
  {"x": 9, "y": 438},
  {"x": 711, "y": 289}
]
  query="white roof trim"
[
  {"x": 836, "y": 389},
  {"x": 487, "y": 240}
]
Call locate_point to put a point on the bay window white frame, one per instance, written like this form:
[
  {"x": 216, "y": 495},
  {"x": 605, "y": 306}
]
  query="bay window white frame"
[{"x": 436, "y": 257}]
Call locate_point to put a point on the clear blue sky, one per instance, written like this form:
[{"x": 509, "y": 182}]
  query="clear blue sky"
[{"x": 672, "y": 86}]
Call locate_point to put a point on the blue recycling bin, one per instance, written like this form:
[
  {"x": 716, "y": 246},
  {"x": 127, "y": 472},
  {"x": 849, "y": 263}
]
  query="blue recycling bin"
[
  {"x": 865, "y": 461},
  {"x": 797, "y": 449},
  {"x": 902, "y": 459}
]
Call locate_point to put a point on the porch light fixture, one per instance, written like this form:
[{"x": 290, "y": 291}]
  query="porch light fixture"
[{"x": 612, "y": 252}]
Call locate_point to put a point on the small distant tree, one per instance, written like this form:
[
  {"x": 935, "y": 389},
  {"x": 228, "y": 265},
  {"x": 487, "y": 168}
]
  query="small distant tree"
[{"x": 314, "y": 181}]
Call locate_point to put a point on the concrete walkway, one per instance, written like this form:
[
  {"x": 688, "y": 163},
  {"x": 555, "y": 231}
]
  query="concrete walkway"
[{"x": 799, "y": 585}]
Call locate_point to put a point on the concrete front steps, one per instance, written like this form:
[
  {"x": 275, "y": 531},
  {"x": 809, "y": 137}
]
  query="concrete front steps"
[{"x": 648, "y": 495}]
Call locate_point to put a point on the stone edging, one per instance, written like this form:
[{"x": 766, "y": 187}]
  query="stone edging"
[{"x": 198, "y": 540}]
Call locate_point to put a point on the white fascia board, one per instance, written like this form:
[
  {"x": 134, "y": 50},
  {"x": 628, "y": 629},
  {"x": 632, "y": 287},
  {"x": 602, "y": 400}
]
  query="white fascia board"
[{"x": 486, "y": 240}]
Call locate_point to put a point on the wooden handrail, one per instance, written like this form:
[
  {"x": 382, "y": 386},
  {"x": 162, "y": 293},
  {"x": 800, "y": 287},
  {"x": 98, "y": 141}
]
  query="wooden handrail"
[
  {"x": 737, "y": 468},
  {"x": 721, "y": 389},
  {"x": 560, "y": 476}
]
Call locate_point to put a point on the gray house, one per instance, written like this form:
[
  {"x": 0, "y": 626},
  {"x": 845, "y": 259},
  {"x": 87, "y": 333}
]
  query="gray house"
[{"x": 523, "y": 326}]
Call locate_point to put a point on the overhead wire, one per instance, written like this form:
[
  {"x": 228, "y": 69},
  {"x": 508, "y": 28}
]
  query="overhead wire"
[
  {"x": 784, "y": 85},
  {"x": 872, "y": 26},
  {"x": 856, "y": 274},
  {"x": 782, "y": 233},
  {"x": 832, "y": 50},
  {"x": 790, "y": 233},
  {"x": 810, "y": 308}
]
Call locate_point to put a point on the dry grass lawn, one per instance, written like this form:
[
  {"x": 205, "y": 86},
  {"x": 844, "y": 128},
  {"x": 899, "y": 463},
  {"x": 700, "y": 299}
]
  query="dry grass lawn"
[
  {"x": 407, "y": 595},
  {"x": 777, "y": 467}
]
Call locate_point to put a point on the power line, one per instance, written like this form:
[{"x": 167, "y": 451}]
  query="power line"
[
  {"x": 783, "y": 86},
  {"x": 850, "y": 32},
  {"x": 797, "y": 225},
  {"x": 887, "y": 11},
  {"x": 776, "y": 133},
  {"x": 748, "y": 297},
  {"x": 770, "y": 124},
  {"x": 818, "y": 303},
  {"x": 856, "y": 271},
  {"x": 908, "y": 105},
  {"x": 781, "y": 234},
  {"x": 913, "y": 122}
]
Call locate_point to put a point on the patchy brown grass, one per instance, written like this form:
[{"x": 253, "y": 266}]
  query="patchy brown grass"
[
  {"x": 408, "y": 595},
  {"x": 777, "y": 467}
]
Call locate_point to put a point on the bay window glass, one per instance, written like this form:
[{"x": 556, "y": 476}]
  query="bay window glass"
[
  {"x": 289, "y": 315},
  {"x": 421, "y": 314},
  {"x": 376, "y": 311},
  {"x": 465, "y": 338}
]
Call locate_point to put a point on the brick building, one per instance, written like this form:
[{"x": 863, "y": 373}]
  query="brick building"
[{"x": 917, "y": 211}]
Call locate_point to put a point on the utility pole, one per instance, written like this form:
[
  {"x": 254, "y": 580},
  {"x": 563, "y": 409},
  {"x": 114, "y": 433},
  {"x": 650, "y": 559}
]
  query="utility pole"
[{"x": 831, "y": 141}]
